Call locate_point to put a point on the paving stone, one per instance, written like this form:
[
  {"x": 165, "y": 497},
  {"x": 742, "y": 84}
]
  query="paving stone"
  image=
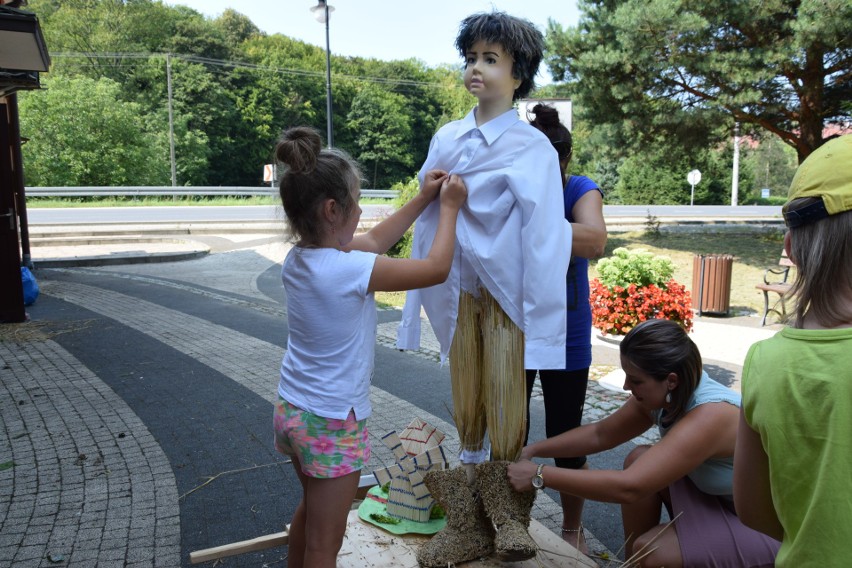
[{"x": 121, "y": 504}]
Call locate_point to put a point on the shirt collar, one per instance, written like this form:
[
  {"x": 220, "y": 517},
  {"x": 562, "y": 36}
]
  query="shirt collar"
[{"x": 491, "y": 130}]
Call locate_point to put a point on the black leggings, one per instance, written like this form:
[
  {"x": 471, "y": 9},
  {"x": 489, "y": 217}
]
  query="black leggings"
[{"x": 564, "y": 394}]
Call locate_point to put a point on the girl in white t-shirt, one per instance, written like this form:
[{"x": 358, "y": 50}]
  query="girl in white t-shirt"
[{"x": 329, "y": 277}]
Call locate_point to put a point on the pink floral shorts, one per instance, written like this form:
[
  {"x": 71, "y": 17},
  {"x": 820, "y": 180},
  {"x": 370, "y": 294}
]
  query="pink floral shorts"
[{"x": 325, "y": 447}]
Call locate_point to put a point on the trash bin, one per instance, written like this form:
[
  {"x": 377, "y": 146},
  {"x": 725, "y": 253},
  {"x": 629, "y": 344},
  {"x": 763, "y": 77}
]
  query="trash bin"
[{"x": 711, "y": 283}]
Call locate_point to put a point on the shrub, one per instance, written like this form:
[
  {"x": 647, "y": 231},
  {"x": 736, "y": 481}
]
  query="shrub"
[
  {"x": 407, "y": 190},
  {"x": 637, "y": 266},
  {"x": 635, "y": 286}
]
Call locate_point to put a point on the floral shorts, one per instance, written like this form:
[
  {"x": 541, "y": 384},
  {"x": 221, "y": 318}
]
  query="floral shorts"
[{"x": 325, "y": 447}]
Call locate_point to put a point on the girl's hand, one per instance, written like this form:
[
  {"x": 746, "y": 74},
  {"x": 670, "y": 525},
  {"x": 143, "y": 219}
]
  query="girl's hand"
[
  {"x": 453, "y": 191},
  {"x": 431, "y": 185},
  {"x": 521, "y": 474},
  {"x": 527, "y": 453}
]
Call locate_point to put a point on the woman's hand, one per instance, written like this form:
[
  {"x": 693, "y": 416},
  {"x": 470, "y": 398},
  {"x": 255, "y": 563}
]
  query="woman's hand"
[
  {"x": 527, "y": 453},
  {"x": 521, "y": 474},
  {"x": 431, "y": 185}
]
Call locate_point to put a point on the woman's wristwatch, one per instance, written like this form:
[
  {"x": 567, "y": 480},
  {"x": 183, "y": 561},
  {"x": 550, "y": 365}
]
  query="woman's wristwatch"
[{"x": 538, "y": 478}]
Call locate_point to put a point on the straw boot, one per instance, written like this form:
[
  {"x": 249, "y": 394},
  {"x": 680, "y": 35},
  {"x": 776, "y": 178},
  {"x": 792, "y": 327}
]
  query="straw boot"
[
  {"x": 468, "y": 534},
  {"x": 508, "y": 509}
]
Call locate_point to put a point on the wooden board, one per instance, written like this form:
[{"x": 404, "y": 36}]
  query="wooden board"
[
  {"x": 252, "y": 545},
  {"x": 366, "y": 545}
]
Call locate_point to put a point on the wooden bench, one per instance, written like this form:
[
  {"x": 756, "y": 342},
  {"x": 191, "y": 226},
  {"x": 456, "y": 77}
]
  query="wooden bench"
[{"x": 775, "y": 280}]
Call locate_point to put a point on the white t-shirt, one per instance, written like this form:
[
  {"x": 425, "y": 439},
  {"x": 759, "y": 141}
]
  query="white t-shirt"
[
  {"x": 328, "y": 365},
  {"x": 512, "y": 235}
]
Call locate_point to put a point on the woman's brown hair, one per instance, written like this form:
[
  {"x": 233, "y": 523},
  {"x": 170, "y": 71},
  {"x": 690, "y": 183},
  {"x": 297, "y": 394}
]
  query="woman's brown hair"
[
  {"x": 659, "y": 347},
  {"x": 547, "y": 120}
]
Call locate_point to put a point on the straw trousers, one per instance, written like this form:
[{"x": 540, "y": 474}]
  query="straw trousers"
[{"x": 487, "y": 376}]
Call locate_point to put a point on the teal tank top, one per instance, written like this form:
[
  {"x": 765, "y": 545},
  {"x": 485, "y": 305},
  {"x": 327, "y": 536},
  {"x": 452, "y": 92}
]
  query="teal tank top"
[{"x": 714, "y": 476}]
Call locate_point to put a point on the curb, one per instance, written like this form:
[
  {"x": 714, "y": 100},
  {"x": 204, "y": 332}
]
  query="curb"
[{"x": 114, "y": 260}]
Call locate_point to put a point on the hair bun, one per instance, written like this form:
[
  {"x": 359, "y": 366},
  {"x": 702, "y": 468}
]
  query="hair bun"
[
  {"x": 298, "y": 148},
  {"x": 546, "y": 115}
]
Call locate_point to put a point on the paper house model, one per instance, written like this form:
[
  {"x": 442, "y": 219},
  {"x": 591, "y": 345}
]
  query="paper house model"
[{"x": 417, "y": 450}]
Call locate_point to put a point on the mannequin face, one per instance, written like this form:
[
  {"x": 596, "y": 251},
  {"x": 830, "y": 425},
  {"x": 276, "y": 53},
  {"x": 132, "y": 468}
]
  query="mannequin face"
[{"x": 488, "y": 74}]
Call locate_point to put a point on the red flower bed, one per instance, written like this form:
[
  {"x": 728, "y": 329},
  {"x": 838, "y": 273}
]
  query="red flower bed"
[{"x": 617, "y": 311}]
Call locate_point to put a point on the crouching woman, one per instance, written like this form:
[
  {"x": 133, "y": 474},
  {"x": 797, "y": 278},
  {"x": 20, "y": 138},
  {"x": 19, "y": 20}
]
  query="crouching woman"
[{"x": 689, "y": 471}]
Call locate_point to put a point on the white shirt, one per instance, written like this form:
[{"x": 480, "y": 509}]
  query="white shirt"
[
  {"x": 328, "y": 365},
  {"x": 512, "y": 236}
]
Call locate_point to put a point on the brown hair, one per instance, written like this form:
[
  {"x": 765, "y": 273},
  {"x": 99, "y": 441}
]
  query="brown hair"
[
  {"x": 822, "y": 252},
  {"x": 312, "y": 175},
  {"x": 547, "y": 120},
  {"x": 659, "y": 347}
]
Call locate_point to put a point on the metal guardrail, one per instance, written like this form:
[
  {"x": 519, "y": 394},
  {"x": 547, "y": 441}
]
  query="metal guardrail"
[{"x": 174, "y": 191}]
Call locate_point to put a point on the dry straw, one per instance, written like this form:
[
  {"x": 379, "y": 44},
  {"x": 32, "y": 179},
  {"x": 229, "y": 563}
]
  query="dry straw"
[
  {"x": 37, "y": 331},
  {"x": 467, "y": 373},
  {"x": 506, "y": 390}
]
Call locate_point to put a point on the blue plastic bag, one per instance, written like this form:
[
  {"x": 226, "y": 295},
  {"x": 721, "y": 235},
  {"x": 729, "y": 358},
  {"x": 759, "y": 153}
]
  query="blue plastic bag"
[{"x": 30, "y": 286}]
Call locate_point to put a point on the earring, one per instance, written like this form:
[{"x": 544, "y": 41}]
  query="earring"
[{"x": 668, "y": 397}]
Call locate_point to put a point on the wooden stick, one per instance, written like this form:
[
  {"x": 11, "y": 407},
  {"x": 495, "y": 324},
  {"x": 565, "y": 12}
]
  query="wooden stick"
[
  {"x": 258, "y": 543},
  {"x": 252, "y": 545},
  {"x": 634, "y": 559}
]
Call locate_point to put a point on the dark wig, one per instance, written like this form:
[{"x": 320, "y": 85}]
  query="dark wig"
[{"x": 519, "y": 38}]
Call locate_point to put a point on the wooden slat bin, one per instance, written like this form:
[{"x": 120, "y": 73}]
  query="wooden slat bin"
[{"x": 711, "y": 283}]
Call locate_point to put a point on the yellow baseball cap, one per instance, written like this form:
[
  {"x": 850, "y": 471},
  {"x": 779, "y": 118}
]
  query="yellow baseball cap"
[{"x": 826, "y": 175}]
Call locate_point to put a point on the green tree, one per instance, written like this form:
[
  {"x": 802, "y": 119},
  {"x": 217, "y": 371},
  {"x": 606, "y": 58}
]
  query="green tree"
[
  {"x": 381, "y": 129},
  {"x": 660, "y": 178},
  {"x": 236, "y": 27},
  {"x": 774, "y": 165},
  {"x": 234, "y": 88},
  {"x": 677, "y": 69},
  {"x": 82, "y": 134}
]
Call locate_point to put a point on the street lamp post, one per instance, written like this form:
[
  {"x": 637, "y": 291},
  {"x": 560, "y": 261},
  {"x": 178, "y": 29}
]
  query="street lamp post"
[
  {"x": 735, "y": 176},
  {"x": 321, "y": 13}
]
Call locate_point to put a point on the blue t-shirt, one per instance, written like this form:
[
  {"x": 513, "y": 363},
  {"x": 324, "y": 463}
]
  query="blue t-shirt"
[{"x": 578, "y": 344}]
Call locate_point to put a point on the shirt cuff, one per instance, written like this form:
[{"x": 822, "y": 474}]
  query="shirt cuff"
[
  {"x": 539, "y": 354},
  {"x": 408, "y": 335}
]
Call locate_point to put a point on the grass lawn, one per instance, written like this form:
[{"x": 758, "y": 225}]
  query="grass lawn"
[{"x": 753, "y": 251}]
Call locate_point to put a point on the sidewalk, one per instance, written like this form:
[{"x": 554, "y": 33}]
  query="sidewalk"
[{"x": 86, "y": 476}]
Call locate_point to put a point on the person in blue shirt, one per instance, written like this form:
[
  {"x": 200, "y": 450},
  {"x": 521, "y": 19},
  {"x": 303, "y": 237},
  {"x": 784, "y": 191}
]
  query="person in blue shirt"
[{"x": 564, "y": 390}]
